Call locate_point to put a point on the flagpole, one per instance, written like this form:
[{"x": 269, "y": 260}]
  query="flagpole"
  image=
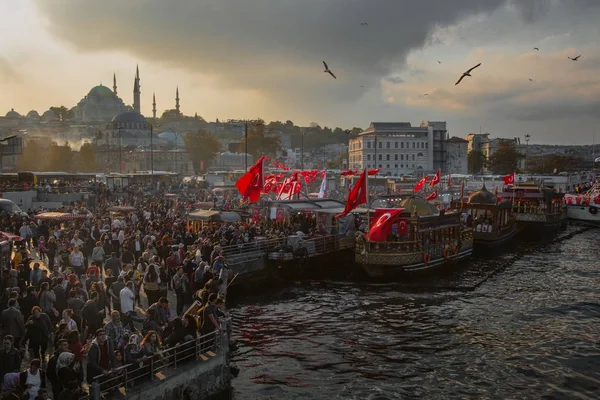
[{"x": 366, "y": 172}]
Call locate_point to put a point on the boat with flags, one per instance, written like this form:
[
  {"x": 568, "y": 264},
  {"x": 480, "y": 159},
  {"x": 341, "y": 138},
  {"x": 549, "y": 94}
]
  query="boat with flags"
[
  {"x": 412, "y": 236},
  {"x": 491, "y": 219},
  {"x": 584, "y": 207},
  {"x": 537, "y": 209}
]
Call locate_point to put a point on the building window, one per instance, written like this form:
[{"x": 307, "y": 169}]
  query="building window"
[
  {"x": 413, "y": 166},
  {"x": 401, "y": 165},
  {"x": 420, "y": 155},
  {"x": 396, "y": 166},
  {"x": 426, "y": 145},
  {"x": 368, "y": 145},
  {"x": 387, "y": 157},
  {"x": 387, "y": 145},
  {"x": 380, "y": 157},
  {"x": 413, "y": 157},
  {"x": 396, "y": 157},
  {"x": 381, "y": 145},
  {"x": 414, "y": 145},
  {"x": 401, "y": 157},
  {"x": 388, "y": 167},
  {"x": 395, "y": 145},
  {"x": 368, "y": 157},
  {"x": 401, "y": 145}
]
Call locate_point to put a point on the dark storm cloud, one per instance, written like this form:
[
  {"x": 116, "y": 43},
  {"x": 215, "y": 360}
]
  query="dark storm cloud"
[{"x": 272, "y": 45}]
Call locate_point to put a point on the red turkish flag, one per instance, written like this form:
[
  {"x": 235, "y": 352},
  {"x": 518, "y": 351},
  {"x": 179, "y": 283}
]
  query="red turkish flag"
[
  {"x": 373, "y": 171},
  {"x": 420, "y": 184},
  {"x": 251, "y": 183},
  {"x": 280, "y": 215},
  {"x": 357, "y": 196},
  {"x": 509, "y": 179},
  {"x": 403, "y": 226},
  {"x": 435, "y": 180},
  {"x": 433, "y": 195},
  {"x": 383, "y": 220}
]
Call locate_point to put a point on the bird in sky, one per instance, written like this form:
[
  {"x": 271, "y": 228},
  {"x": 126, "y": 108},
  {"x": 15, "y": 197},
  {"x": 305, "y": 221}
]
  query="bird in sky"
[
  {"x": 536, "y": 48},
  {"x": 439, "y": 62},
  {"x": 530, "y": 80},
  {"x": 328, "y": 71},
  {"x": 574, "y": 58},
  {"x": 426, "y": 94},
  {"x": 467, "y": 73},
  {"x": 364, "y": 23}
]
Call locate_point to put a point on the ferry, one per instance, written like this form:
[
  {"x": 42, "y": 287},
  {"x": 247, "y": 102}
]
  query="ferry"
[
  {"x": 537, "y": 209},
  {"x": 584, "y": 208},
  {"x": 425, "y": 238},
  {"x": 491, "y": 219}
]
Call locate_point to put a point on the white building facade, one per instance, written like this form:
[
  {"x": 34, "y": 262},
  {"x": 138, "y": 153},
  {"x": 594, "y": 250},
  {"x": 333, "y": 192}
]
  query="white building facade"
[{"x": 397, "y": 148}]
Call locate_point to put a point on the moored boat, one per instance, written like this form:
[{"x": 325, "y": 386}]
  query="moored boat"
[
  {"x": 491, "y": 219},
  {"x": 538, "y": 210},
  {"x": 424, "y": 238},
  {"x": 584, "y": 208}
]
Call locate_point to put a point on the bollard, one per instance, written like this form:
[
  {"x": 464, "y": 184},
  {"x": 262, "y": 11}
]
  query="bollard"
[{"x": 95, "y": 392}]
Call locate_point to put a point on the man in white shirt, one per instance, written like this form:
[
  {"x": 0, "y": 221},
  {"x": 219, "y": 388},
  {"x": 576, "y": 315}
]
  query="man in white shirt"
[
  {"x": 33, "y": 379},
  {"x": 127, "y": 297},
  {"x": 76, "y": 242}
]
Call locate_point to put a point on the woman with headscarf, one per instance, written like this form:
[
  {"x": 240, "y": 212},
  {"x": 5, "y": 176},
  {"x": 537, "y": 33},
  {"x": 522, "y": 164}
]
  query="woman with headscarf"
[{"x": 10, "y": 383}]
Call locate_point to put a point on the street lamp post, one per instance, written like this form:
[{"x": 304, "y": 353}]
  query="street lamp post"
[
  {"x": 347, "y": 132},
  {"x": 302, "y": 151},
  {"x": 527, "y": 137},
  {"x": 246, "y": 145}
]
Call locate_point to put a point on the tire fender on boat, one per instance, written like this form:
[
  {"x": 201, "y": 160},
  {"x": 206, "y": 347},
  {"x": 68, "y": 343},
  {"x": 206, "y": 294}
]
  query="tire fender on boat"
[
  {"x": 426, "y": 258},
  {"x": 593, "y": 210},
  {"x": 447, "y": 252},
  {"x": 455, "y": 250}
]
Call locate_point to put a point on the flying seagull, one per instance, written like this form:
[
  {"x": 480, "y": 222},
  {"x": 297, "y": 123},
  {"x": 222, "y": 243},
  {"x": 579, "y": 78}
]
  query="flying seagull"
[
  {"x": 536, "y": 48},
  {"x": 426, "y": 94},
  {"x": 364, "y": 23},
  {"x": 530, "y": 80},
  {"x": 327, "y": 70},
  {"x": 468, "y": 73},
  {"x": 439, "y": 62},
  {"x": 574, "y": 59}
]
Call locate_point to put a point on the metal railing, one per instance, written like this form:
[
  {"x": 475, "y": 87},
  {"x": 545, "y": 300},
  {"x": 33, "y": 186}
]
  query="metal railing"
[
  {"x": 393, "y": 247},
  {"x": 150, "y": 369},
  {"x": 257, "y": 245}
]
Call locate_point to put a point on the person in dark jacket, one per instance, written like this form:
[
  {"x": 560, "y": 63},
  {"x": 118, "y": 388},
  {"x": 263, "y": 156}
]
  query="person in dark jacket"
[
  {"x": 10, "y": 357},
  {"x": 101, "y": 357},
  {"x": 28, "y": 302},
  {"x": 37, "y": 330},
  {"x": 92, "y": 315}
]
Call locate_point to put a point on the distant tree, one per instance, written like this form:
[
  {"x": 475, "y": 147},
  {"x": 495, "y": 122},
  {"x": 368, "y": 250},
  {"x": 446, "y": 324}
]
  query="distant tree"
[
  {"x": 258, "y": 143},
  {"x": 202, "y": 146},
  {"x": 86, "y": 161},
  {"x": 505, "y": 160},
  {"x": 170, "y": 116},
  {"x": 546, "y": 164},
  {"x": 62, "y": 113},
  {"x": 32, "y": 158},
  {"x": 60, "y": 158},
  {"x": 475, "y": 161},
  {"x": 337, "y": 162}
]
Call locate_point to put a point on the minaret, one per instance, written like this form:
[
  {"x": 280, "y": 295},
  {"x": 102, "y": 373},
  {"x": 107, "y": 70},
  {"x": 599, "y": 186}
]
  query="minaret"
[
  {"x": 115, "y": 83},
  {"x": 153, "y": 105},
  {"x": 136, "y": 90},
  {"x": 177, "y": 100}
]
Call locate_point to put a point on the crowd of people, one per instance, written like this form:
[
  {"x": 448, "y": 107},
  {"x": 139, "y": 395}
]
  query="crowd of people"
[{"x": 84, "y": 298}]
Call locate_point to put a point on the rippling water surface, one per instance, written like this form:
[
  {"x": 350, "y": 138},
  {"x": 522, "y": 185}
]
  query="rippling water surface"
[{"x": 525, "y": 325}]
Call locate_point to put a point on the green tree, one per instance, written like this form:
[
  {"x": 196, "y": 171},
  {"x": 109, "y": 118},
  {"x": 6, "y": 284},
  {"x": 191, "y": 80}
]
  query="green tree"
[
  {"x": 86, "y": 161},
  {"x": 62, "y": 113},
  {"x": 202, "y": 146},
  {"x": 506, "y": 159},
  {"x": 546, "y": 164},
  {"x": 475, "y": 161},
  {"x": 60, "y": 158},
  {"x": 258, "y": 143},
  {"x": 337, "y": 162},
  {"x": 32, "y": 158},
  {"x": 170, "y": 116}
]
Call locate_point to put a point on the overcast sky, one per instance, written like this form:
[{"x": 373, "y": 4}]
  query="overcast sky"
[{"x": 262, "y": 58}]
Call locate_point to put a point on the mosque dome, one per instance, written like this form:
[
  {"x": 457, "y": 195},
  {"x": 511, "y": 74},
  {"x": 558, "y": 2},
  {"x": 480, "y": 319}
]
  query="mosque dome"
[
  {"x": 423, "y": 207},
  {"x": 100, "y": 91},
  {"x": 483, "y": 196},
  {"x": 33, "y": 115},
  {"x": 49, "y": 115},
  {"x": 172, "y": 138},
  {"x": 129, "y": 120},
  {"x": 13, "y": 114}
]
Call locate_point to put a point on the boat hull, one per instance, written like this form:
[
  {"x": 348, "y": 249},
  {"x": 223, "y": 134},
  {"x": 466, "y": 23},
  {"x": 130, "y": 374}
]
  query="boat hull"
[
  {"x": 482, "y": 241},
  {"x": 584, "y": 214},
  {"x": 385, "y": 265},
  {"x": 540, "y": 224}
]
